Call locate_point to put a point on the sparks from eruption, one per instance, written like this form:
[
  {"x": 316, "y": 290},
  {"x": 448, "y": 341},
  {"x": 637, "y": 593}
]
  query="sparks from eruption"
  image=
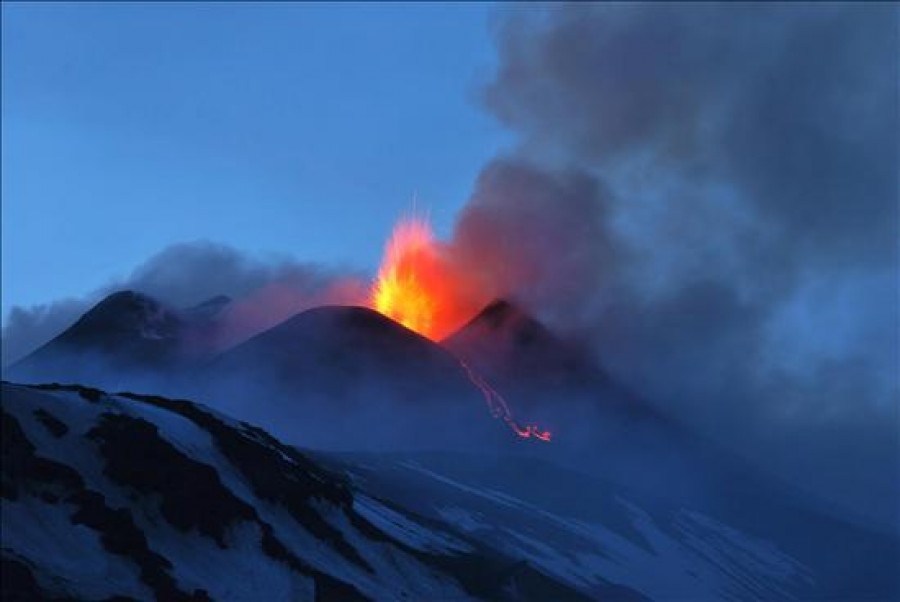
[{"x": 418, "y": 287}]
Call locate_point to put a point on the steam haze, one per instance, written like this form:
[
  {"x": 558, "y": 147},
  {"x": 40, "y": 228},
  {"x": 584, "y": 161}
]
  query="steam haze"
[
  {"x": 263, "y": 292},
  {"x": 712, "y": 194}
]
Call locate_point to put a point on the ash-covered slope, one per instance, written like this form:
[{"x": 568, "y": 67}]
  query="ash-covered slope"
[
  {"x": 148, "y": 498},
  {"x": 127, "y": 337},
  {"x": 371, "y": 380}
]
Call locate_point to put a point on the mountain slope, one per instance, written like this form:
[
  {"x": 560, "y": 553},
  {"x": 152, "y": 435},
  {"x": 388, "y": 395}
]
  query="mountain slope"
[
  {"x": 505, "y": 343},
  {"x": 547, "y": 378},
  {"x": 332, "y": 348},
  {"x": 127, "y": 332},
  {"x": 166, "y": 499},
  {"x": 599, "y": 535},
  {"x": 353, "y": 368}
]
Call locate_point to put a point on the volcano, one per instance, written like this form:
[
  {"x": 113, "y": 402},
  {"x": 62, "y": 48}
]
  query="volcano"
[
  {"x": 535, "y": 368},
  {"x": 350, "y": 365},
  {"x": 353, "y": 367},
  {"x": 336, "y": 349},
  {"x": 662, "y": 511}
]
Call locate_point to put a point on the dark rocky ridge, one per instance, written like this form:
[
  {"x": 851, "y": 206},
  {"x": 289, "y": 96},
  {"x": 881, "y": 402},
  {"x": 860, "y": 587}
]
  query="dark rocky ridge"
[{"x": 141, "y": 446}]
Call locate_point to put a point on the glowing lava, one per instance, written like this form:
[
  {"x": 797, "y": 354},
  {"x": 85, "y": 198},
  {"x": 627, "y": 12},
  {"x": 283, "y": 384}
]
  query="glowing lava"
[
  {"x": 418, "y": 286},
  {"x": 500, "y": 409}
]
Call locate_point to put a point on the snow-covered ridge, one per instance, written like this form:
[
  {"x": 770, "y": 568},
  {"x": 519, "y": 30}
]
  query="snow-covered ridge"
[{"x": 145, "y": 497}]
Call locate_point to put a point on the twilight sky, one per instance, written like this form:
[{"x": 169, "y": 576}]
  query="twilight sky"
[{"x": 296, "y": 129}]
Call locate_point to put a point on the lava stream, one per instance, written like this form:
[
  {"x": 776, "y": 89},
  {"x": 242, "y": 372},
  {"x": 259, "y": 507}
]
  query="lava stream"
[{"x": 500, "y": 409}]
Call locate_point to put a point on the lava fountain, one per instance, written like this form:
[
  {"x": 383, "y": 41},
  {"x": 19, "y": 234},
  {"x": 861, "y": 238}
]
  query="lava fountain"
[{"x": 419, "y": 287}]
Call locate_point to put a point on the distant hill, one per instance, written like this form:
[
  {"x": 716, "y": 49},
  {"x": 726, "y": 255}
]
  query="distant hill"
[{"x": 125, "y": 332}]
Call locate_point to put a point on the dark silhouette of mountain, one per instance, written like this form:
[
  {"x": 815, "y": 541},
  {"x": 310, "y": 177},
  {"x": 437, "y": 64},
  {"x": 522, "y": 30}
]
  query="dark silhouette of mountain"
[
  {"x": 128, "y": 339},
  {"x": 356, "y": 367},
  {"x": 527, "y": 362},
  {"x": 332, "y": 349},
  {"x": 124, "y": 332},
  {"x": 504, "y": 342}
]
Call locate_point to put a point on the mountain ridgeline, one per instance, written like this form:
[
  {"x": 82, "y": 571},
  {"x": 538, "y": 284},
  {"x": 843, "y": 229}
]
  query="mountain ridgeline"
[{"x": 414, "y": 490}]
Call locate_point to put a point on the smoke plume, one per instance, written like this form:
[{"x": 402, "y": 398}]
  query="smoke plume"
[
  {"x": 263, "y": 292},
  {"x": 712, "y": 193}
]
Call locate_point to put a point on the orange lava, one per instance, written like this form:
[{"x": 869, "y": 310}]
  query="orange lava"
[
  {"x": 500, "y": 409},
  {"x": 417, "y": 285}
]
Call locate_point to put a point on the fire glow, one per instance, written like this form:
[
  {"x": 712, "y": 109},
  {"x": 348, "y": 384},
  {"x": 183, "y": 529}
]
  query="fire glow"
[{"x": 418, "y": 286}]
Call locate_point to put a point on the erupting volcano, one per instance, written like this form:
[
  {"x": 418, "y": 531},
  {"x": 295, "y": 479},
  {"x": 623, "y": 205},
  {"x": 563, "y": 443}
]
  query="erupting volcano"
[{"x": 419, "y": 287}]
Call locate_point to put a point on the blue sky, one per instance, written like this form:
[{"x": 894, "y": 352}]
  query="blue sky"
[{"x": 294, "y": 129}]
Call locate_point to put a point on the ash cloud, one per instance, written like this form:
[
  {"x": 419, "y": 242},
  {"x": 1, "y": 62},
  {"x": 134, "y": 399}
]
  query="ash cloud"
[
  {"x": 263, "y": 292},
  {"x": 711, "y": 191}
]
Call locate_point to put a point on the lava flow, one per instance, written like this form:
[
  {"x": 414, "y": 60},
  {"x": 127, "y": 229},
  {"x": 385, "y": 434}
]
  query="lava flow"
[
  {"x": 500, "y": 409},
  {"x": 418, "y": 287}
]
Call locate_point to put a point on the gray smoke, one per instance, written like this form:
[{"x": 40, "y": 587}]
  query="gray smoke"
[
  {"x": 264, "y": 291},
  {"x": 712, "y": 192}
]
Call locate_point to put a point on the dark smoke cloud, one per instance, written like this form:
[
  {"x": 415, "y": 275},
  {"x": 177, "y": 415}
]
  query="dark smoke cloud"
[
  {"x": 263, "y": 292},
  {"x": 711, "y": 190}
]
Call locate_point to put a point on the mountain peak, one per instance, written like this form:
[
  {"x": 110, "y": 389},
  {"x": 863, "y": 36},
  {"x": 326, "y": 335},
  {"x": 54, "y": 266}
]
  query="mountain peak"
[
  {"x": 125, "y": 312},
  {"x": 125, "y": 330},
  {"x": 502, "y": 323},
  {"x": 515, "y": 350}
]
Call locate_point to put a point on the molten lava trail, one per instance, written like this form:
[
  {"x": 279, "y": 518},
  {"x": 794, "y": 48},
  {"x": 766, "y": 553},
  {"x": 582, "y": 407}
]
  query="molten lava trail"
[{"x": 500, "y": 409}]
